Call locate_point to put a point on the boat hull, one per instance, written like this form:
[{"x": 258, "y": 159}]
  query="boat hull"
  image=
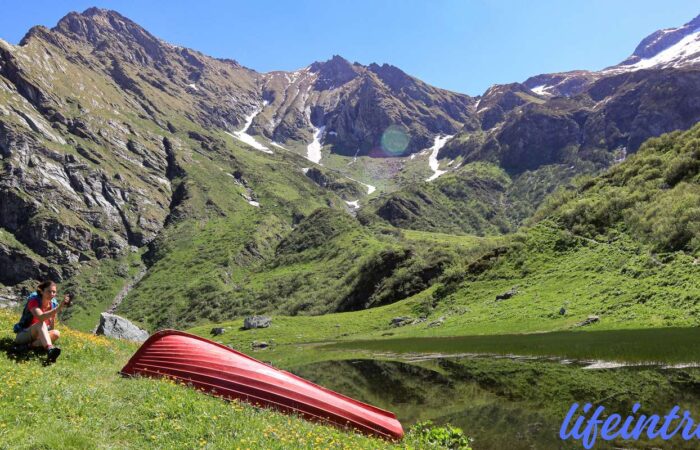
[{"x": 224, "y": 372}]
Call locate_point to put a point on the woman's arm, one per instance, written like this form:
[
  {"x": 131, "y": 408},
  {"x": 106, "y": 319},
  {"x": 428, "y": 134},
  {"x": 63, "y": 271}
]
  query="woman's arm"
[{"x": 50, "y": 314}]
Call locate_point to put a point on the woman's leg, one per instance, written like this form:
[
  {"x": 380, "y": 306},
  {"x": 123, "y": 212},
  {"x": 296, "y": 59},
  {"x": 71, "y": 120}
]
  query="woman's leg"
[
  {"x": 40, "y": 335},
  {"x": 24, "y": 337},
  {"x": 54, "y": 335}
]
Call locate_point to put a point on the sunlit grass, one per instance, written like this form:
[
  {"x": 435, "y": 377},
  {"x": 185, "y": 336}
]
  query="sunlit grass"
[{"x": 82, "y": 402}]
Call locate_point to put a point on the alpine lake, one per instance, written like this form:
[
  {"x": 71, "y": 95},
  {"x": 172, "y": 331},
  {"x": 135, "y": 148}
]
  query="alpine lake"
[{"x": 512, "y": 391}]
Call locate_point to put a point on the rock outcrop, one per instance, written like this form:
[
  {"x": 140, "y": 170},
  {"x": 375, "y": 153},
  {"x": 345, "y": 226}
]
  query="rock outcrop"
[
  {"x": 118, "y": 327},
  {"x": 252, "y": 322}
]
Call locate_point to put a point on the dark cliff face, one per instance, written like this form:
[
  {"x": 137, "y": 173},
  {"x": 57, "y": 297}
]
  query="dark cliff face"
[
  {"x": 614, "y": 113},
  {"x": 357, "y": 104},
  {"x": 80, "y": 180}
]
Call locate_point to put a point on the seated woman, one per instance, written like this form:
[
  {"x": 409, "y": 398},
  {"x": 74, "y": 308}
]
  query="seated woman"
[{"x": 35, "y": 328}]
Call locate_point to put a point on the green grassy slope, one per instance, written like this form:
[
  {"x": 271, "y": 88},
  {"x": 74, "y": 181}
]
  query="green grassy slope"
[
  {"x": 477, "y": 198},
  {"x": 328, "y": 263},
  {"x": 96, "y": 287},
  {"x": 654, "y": 196},
  {"x": 470, "y": 200},
  {"x": 621, "y": 246},
  {"x": 550, "y": 269},
  {"x": 81, "y": 402}
]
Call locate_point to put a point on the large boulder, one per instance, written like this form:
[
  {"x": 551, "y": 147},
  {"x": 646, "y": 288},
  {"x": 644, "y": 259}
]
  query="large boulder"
[
  {"x": 9, "y": 298},
  {"x": 118, "y": 327},
  {"x": 256, "y": 322}
]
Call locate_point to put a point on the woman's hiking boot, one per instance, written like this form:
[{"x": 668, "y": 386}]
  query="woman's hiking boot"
[{"x": 53, "y": 354}]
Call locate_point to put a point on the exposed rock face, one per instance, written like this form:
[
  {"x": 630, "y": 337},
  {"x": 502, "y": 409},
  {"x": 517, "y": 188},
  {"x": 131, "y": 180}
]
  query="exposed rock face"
[
  {"x": 218, "y": 92},
  {"x": 256, "y": 322},
  {"x": 401, "y": 321},
  {"x": 357, "y": 104},
  {"x": 345, "y": 187},
  {"x": 333, "y": 73},
  {"x": 8, "y": 298},
  {"x": 67, "y": 206},
  {"x": 499, "y": 100},
  {"x": 564, "y": 84},
  {"x": 118, "y": 327},
  {"x": 615, "y": 113},
  {"x": 530, "y": 125},
  {"x": 19, "y": 265}
]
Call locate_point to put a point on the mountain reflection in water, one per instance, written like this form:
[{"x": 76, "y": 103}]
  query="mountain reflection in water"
[{"x": 500, "y": 403}]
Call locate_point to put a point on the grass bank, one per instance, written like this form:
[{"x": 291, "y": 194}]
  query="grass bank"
[{"x": 82, "y": 402}]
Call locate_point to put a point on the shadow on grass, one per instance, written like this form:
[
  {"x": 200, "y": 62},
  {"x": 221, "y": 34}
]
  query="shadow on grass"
[{"x": 8, "y": 346}]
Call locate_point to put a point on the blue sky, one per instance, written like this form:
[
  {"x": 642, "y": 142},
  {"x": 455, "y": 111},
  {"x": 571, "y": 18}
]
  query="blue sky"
[{"x": 465, "y": 46}]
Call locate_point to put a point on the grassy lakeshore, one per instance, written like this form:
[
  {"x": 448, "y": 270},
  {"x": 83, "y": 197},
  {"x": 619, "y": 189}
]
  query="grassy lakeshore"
[
  {"x": 88, "y": 405},
  {"x": 656, "y": 345}
]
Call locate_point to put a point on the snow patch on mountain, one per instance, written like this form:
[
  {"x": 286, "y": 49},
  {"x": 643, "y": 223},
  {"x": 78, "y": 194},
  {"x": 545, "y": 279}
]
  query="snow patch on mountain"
[
  {"x": 683, "y": 53},
  {"x": 541, "y": 90},
  {"x": 244, "y": 137},
  {"x": 314, "y": 148},
  {"x": 432, "y": 160}
]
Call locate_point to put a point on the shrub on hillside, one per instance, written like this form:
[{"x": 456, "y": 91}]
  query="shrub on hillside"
[{"x": 654, "y": 195}]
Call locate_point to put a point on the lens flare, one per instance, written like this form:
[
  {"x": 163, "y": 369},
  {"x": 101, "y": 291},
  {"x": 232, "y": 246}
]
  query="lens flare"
[{"x": 395, "y": 140}]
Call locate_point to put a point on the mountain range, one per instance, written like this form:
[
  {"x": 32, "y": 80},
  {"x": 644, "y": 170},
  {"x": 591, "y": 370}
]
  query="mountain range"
[{"x": 122, "y": 153}]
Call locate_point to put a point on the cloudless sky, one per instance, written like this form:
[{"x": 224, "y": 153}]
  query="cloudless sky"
[{"x": 461, "y": 45}]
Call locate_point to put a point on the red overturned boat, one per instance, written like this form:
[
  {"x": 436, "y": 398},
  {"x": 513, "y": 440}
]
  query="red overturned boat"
[{"x": 224, "y": 372}]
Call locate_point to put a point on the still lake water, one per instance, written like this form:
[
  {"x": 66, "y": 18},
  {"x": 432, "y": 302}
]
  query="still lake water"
[{"x": 509, "y": 402}]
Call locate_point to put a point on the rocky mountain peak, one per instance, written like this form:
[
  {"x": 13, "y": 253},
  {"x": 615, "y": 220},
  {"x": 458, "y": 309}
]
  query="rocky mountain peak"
[
  {"x": 392, "y": 76},
  {"x": 103, "y": 28},
  {"x": 662, "y": 39},
  {"x": 671, "y": 47},
  {"x": 334, "y": 72}
]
